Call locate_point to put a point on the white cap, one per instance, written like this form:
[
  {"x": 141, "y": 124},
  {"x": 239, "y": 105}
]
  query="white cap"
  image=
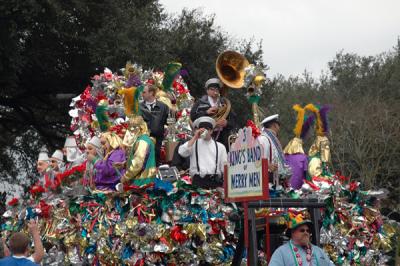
[
  {"x": 204, "y": 119},
  {"x": 43, "y": 156},
  {"x": 95, "y": 141},
  {"x": 58, "y": 155},
  {"x": 70, "y": 142},
  {"x": 270, "y": 118},
  {"x": 213, "y": 81}
]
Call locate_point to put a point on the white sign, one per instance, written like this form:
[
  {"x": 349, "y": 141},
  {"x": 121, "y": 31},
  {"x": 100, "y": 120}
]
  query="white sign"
[{"x": 245, "y": 168}]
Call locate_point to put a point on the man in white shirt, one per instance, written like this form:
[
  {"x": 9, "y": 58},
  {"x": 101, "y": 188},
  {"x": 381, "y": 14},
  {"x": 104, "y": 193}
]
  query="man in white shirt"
[
  {"x": 277, "y": 166},
  {"x": 207, "y": 156}
]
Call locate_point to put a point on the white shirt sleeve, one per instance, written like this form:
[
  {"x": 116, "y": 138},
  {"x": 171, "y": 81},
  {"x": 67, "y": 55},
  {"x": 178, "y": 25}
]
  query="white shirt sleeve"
[
  {"x": 184, "y": 150},
  {"x": 223, "y": 158},
  {"x": 263, "y": 140}
]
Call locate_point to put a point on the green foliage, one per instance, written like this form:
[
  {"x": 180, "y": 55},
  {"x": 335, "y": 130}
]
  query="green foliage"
[{"x": 50, "y": 49}]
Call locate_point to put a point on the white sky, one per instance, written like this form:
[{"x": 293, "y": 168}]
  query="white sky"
[{"x": 305, "y": 34}]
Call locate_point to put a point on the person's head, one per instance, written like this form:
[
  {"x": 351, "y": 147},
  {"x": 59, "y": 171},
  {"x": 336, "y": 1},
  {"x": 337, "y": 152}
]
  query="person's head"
[
  {"x": 110, "y": 141},
  {"x": 93, "y": 147},
  {"x": 56, "y": 160},
  {"x": 149, "y": 92},
  {"x": 19, "y": 244},
  {"x": 213, "y": 87},
  {"x": 42, "y": 163},
  {"x": 301, "y": 234},
  {"x": 207, "y": 123},
  {"x": 272, "y": 123},
  {"x": 71, "y": 149},
  {"x": 136, "y": 127}
]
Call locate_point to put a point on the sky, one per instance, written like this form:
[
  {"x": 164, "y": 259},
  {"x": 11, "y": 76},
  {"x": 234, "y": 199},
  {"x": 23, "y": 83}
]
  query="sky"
[{"x": 304, "y": 34}]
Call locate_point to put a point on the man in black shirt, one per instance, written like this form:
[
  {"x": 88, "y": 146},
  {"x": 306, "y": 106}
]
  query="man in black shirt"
[
  {"x": 155, "y": 115},
  {"x": 217, "y": 107}
]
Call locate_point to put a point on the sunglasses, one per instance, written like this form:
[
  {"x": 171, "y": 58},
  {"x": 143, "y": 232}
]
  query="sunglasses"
[{"x": 304, "y": 230}]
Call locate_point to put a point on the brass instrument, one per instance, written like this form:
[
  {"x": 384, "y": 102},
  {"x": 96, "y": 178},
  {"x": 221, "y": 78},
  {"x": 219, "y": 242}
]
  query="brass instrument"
[{"x": 230, "y": 67}]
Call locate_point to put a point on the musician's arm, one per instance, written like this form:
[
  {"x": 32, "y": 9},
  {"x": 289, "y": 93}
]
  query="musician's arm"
[{"x": 196, "y": 112}]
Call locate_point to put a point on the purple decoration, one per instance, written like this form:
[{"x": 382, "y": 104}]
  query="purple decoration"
[
  {"x": 323, "y": 113},
  {"x": 306, "y": 126},
  {"x": 183, "y": 72},
  {"x": 92, "y": 103},
  {"x": 106, "y": 176},
  {"x": 133, "y": 81},
  {"x": 298, "y": 163}
]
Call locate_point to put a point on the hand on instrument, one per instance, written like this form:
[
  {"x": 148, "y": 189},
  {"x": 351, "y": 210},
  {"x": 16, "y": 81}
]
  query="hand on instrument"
[
  {"x": 212, "y": 110},
  {"x": 221, "y": 123}
]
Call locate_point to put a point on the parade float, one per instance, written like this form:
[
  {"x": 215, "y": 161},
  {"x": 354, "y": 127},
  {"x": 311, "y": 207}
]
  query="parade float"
[{"x": 155, "y": 221}]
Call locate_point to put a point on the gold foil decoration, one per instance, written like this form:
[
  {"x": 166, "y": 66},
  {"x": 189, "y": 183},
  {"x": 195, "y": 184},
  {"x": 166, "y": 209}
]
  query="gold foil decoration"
[
  {"x": 294, "y": 146},
  {"x": 321, "y": 146}
]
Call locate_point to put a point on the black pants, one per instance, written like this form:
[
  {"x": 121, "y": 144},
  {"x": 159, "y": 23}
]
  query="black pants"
[{"x": 207, "y": 182}]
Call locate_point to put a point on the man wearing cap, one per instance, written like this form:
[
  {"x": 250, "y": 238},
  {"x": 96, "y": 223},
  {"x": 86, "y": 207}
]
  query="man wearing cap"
[
  {"x": 57, "y": 161},
  {"x": 273, "y": 152},
  {"x": 72, "y": 152},
  {"x": 44, "y": 169},
  {"x": 207, "y": 156},
  {"x": 217, "y": 107},
  {"x": 155, "y": 114},
  {"x": 299, "y": 250},
  {"x": 94, "y": 152}
]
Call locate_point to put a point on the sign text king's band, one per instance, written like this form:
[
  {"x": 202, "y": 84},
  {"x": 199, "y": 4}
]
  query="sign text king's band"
[{"x": 244, "y": 179}]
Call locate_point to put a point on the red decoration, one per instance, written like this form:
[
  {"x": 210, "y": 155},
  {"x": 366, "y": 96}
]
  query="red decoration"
[
  {"x": 44, "y": 209},
  {"x": 119, "y": 129},
  {"x": 36, "y": 189},
  {"x": 177, "y": 235},
  {"x": 13, "y": 202},
  {"x": 353, "y": 186},
  {"x": 108, "y": 75},
  {"x": 216, "y": 226},
  {"x": 255, "y": 131}
]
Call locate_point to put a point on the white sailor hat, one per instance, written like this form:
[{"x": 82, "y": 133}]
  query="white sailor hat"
[
  {"x": 70, "y": 142},
  {"x": 203, "y": 121},
  {"x": 58, "y": 155},
  {"x": 271, "y": 118},
  {"x": 95, "y": 141},
  {"x": 214, "y": 81},
  {"x": 43, "y": 156}
]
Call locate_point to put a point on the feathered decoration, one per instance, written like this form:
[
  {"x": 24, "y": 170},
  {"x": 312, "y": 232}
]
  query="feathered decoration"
[
  {"x": 131, "y": 99},
  {"x": 170, "y": 73},
  {"x": 319, "y": 128},
  {"x": 324, "y": 117},
  {"x": 300, "y": 119},
  {"x": 306, "y": 126},
  {"x": 102, "y": 117},
  {"x": 128, "y": 99}
]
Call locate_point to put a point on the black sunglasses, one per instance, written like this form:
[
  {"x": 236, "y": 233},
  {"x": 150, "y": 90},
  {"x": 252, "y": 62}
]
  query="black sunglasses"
[{"x": 304, "y": 230}]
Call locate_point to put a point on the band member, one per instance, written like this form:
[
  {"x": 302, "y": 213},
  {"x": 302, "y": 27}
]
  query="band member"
[
  {"x": 155, "y": 113},
  {"x": 273, "y": 152},
  {"x": 217, "y": 107},
  {"x": 207, "y": 156}
]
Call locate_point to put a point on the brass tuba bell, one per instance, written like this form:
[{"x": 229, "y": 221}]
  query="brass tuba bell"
[{"x": 230, "y": 67}]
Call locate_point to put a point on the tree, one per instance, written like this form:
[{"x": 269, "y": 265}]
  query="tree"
[{"x": 50, "y": 49}]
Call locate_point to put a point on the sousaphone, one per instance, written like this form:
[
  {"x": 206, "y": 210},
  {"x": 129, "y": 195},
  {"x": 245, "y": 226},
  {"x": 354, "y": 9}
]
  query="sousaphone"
[{"x": 230, "y": 67}]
